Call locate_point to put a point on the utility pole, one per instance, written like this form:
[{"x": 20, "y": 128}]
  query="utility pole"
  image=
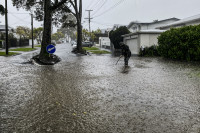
[
  {"x": 6, "y": 22},
  {"x": 32, "y": 30},
  {"x": 89, "y": 18}
]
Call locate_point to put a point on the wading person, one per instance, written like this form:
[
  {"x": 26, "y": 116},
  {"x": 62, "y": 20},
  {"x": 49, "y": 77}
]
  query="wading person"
[{"x": 125, "y": 52}]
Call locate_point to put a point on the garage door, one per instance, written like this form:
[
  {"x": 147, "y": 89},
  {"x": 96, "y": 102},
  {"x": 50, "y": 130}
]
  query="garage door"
[{"x": 133, "y": 46}]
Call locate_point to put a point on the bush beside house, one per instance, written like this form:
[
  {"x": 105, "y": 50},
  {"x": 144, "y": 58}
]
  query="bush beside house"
[
  {"x": 149, "y": 51},
  {"x": 180, "y": 43},
  {"x": 116, "y": 37},
  {"x": 1, "y": 44}
]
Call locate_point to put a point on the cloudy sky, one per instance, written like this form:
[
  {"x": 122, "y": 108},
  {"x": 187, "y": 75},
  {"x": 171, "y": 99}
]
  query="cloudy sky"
[{"x": 106, "y": 13}]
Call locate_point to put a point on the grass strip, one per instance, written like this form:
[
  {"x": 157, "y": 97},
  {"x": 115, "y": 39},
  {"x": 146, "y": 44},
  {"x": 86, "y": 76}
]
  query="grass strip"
[
  {"x": 90, "y": 48},
  {"x": 9, "y": 53},
  {"x": 37, "y": 46},
  {"x": 100, "y": 52},
  {"x": 23, "y": 49}
]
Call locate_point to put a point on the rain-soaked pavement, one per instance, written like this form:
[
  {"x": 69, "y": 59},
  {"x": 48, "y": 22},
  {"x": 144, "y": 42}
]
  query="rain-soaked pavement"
[{"x": 90, "y": 94}]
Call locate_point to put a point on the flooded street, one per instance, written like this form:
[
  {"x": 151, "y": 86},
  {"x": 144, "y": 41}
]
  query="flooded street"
[{"x": 91, "y": 94}]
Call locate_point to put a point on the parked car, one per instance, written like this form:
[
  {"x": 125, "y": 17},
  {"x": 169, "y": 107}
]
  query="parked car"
[
  {"x": 74, "y": 46},
  {"x": 87, "y": 44},
  {"x": 73, "y": 43},
  {"x": 84, "y": 44}
]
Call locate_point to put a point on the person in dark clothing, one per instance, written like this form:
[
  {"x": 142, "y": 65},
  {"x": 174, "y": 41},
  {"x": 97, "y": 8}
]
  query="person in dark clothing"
[{"x": 125, "y": 52}]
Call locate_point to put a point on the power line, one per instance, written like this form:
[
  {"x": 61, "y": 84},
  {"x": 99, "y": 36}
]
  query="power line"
[
  {"x": 21, "y": 20},
  {"x": 92, "y": 5},
  {"x": 100, "y": 7},
  {"x": 97, "y": 4},
  {"x": 118, "y": 3},
  {"x": 105, "y": 24}
]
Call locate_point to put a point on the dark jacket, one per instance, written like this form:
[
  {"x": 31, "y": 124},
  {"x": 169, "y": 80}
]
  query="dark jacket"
[{"x": 126, "y": 51}]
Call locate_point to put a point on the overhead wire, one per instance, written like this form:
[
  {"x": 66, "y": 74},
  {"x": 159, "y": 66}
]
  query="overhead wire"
[
  {"x": 112, "y": 7},
  {"x": 97, "y": 4},
  {"x": 91, "y": 4},
  {"x": 105, "y": 1},
  {"x": 105, "y": 24},
  {"x": 20, "y": 20}
]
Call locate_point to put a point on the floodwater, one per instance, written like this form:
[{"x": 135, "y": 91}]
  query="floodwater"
[{"x": 91, "y": 94}]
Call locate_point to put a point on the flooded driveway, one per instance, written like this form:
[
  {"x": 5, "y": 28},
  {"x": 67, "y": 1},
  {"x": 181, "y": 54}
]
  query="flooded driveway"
[{"x": 91, "y": 94}]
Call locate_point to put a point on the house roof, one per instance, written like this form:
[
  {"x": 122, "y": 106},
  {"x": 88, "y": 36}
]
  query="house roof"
[
  {"x": 183, "y": 21},
  {"x": 154, "y": 31},
  {"x": 155, "y": 21}
]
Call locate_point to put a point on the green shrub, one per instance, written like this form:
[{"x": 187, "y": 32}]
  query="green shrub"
[{"x": 180, "y": 43}]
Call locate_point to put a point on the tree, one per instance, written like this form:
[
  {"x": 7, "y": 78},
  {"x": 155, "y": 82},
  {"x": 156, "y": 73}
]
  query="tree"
[
  {"x": 76, "y": 11},
  {"x": 69, "y": 32},
  {"x": 37, "y": 34},
  {"x": 49, "y": 11},
  {"x": 2, "y": 10},
  {"x": 116, "y": 36},
  {"x": 98, "y": 31},
  {"x": 56, "y": 36},
  {"x": 85, "y": 34},
  {"x": 23, "y": 32}
]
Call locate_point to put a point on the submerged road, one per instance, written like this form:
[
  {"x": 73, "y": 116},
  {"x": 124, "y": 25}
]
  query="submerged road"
[{"x": 90, "y": 94}]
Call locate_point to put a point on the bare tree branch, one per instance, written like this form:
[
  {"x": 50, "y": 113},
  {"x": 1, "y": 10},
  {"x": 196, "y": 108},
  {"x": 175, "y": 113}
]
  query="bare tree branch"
[
  {"x": 80, "y": 8},
  {"x": 74, "y": 6}
]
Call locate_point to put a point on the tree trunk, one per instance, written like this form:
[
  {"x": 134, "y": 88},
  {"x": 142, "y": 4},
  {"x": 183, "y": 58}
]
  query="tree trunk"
[
  {"x": 79, "y": 36},
  {"x": 46, "y": 39}
]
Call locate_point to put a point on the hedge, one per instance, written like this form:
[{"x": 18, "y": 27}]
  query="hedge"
[{"x": 180, "y": 43}]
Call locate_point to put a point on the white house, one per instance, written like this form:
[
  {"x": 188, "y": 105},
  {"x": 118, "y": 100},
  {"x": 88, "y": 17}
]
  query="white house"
[
  {"x": 193, "y": 20},
  {"x": 104, "y": 42},
  {"x": 3, "y": 28},
  {"x": 145, "y": 38},
  {"x": 144, "y": 34}
]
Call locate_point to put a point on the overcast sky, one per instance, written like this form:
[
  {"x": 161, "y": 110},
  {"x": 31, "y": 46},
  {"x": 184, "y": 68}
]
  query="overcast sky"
[{"x": 106, "y": 13}]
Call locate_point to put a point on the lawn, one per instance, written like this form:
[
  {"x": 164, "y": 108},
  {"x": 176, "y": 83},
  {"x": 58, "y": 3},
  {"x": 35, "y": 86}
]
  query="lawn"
[
  {"x": 95, "y": 50},
  {"x": 23, "y": 49},
  {"x": 91, "y": 48},
  {"x": 100, "y": 52},
  {"x": 9, "y": 53},
  {"x": 37, "y": 45}
]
